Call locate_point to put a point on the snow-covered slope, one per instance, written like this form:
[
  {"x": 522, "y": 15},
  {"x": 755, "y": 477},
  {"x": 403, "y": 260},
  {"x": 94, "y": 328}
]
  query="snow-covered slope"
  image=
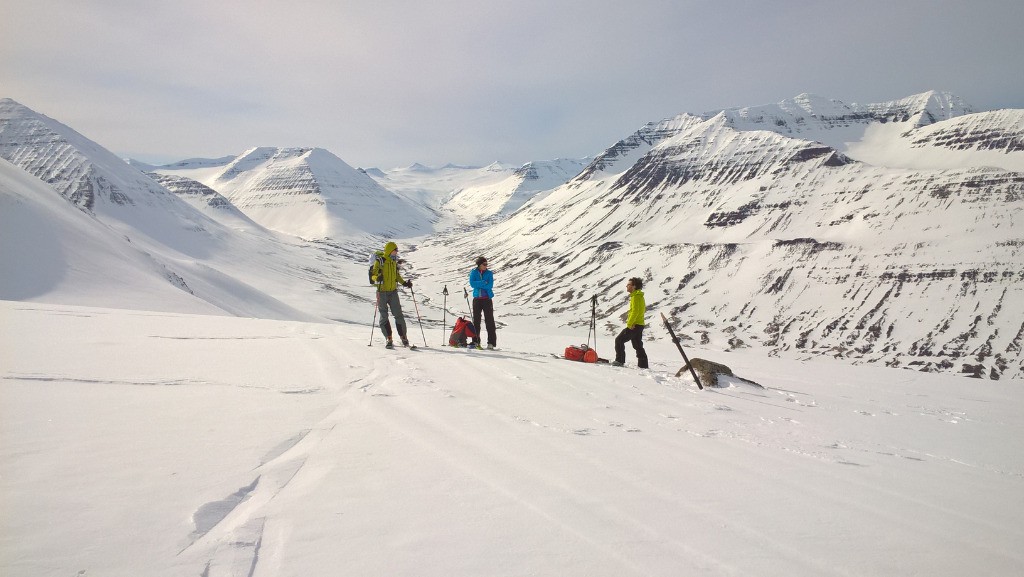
[
  {"x": 248, "y": 272},
  {"x": 187, "y": 166},
  {"x": 311, "y": 193},
  {"x": 482, "y": 201},
  {"x": 170, "y": 445},
  {"x": 627, "y": 151},
  {"x": 96, "y": 180},
  {"x": 205, "y": 199},
  {"x": 50, "y": 251},
  {"x": 473, "y": 194},
  {"x": 434, "y": 186},
  {"x": 54, "y": 252},
  {"x": 984, "y": 139}
]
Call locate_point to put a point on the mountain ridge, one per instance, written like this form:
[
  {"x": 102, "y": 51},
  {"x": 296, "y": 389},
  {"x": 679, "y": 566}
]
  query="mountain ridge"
[{"x": 749, "y": 236}]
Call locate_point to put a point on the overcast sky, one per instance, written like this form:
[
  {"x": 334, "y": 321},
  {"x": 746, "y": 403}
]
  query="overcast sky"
[{"x": 387, "y": 83}]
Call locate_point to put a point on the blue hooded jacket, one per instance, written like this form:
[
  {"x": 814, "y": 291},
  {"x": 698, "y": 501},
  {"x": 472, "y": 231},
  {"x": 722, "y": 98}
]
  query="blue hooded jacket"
[{"x": 482, "y": 283}]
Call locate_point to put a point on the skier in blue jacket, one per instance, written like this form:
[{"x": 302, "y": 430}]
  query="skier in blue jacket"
[{"x": 482, "y": 281}]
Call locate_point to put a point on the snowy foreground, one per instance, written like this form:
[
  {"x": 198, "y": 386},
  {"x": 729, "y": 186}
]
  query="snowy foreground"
[{"x": 150, "y": 444}]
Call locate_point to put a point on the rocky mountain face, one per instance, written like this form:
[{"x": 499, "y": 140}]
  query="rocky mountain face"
[
  {"x": 748, "y": 234},
  {"x": 1000, "y": 131}
]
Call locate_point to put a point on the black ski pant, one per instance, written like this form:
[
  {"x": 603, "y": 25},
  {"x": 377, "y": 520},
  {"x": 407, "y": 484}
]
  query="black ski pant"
[
  {"x": 485, "y": 306},
  {"x": 386, "y": 300},
  {"x": 635, "y": 336}
]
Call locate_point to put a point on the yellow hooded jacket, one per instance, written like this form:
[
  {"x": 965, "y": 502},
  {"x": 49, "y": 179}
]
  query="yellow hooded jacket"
[
  {"x": 637, "y": 309},
  {"x": 385, "y": 270}
]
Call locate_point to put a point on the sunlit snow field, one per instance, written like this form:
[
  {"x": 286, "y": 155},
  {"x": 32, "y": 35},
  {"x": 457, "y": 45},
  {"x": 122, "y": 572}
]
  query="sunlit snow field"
[{"x": 143, "y": 443}]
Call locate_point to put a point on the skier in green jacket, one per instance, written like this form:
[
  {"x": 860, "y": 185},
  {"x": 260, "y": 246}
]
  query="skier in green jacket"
[
  {"x": 634, "y": 330},
  {"x": 386, "y": 277}
]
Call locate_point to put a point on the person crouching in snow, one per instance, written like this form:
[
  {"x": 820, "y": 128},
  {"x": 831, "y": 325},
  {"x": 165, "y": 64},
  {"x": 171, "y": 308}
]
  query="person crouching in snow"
[
  {"x": 385, "y": 275},
  {"x": 634, "y": 330},
  {"x": 482, "y": 281}
]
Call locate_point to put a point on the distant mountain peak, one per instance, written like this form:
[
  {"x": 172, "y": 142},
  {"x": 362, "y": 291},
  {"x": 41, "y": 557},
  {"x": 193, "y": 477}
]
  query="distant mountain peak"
[
  {"x": 922, "y": 109},
  {"x": 311, "y": 193}
]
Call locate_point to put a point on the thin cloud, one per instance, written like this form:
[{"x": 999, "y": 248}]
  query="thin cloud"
[{"x": 390, "y": 83}]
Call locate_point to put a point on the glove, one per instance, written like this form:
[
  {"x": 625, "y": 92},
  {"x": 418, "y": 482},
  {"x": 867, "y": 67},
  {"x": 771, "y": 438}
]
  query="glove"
[{"x": 407, "y": 284}]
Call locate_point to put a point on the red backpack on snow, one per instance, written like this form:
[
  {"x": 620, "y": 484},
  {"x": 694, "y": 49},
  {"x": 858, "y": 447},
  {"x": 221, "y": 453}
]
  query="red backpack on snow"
[
  {"x": 462, "y": 333},
  {"x": 581, "y": 353}
]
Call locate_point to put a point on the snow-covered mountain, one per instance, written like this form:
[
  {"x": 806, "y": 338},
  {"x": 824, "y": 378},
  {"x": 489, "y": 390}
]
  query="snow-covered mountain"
[
  {"x": 478, "y": 202},
  {"x": 53, "y": 251},
  {"x": 311, "y": 193},
  {"x": 983, "y": 139},
  {"x": 779, "y": 227},
  {"x": 96, "y": 180},
  {"x": 434, "y": 187},
  {"x": 812, "y": 117},
  {"x": 139, "y": 231},
  {"x": 755, "y": 237},
  {"x": 205, "y": 199},
  {"x": 183, "y": 165},
  {"x": 473, "y": 194}
]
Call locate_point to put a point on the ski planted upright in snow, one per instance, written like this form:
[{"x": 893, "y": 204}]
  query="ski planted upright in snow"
[{"x": 679, "y": 346}]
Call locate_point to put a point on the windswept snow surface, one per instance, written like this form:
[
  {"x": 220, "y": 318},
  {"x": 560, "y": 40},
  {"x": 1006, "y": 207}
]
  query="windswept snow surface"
[{"x": 163, "y": 444}]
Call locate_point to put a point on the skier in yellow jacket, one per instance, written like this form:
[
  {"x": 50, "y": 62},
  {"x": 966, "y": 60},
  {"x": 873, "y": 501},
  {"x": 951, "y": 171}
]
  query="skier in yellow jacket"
[
  {"x": 634, "y": 330},
  {"x": 386, "y": 277}
]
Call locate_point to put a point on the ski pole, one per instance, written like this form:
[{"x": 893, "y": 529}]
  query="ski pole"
[
  {"x": 675, "y": 340},
  {"x": 465, "y": 293},
  {"x": 593, "y": 321},
  {"x": 376, "y": 306},
  {"x": 418, "y": 316},
  {"x": 444, "y": 311}
]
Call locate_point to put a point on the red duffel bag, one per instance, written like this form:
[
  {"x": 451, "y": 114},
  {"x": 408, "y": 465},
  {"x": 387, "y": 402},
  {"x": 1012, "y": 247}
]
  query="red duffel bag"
[{"x": 581, "y": 353}]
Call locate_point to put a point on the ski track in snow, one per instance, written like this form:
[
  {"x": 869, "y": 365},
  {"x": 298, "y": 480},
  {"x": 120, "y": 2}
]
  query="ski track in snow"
[
  {"x": 450, "y": 462},
  {"x": 436, "y": 417}
]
